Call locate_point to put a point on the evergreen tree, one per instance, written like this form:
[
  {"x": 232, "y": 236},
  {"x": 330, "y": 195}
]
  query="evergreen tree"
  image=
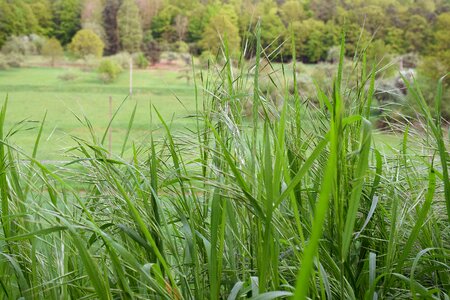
[
  {"x": 130, "y": 29},
  {"x": 110, "y": 26},
  {"x": 66, "y": 18}
]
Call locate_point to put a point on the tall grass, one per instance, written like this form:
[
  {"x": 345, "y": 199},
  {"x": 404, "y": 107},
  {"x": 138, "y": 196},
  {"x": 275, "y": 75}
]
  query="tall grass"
[{"x": 297, "y": 201}]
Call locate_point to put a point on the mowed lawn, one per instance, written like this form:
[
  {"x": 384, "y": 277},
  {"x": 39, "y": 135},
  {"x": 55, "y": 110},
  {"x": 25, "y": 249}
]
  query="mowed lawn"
[{"x": 34, "y": 91}]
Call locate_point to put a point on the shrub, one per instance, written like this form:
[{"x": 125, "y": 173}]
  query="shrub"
[
  {"x": 52, "y": 49},
  {"x": 10, "y": 61},
  {"x": 38, "y": 42},
  {"x": 86, "y": 42},
  {"x": 181, "y": 47},
  {"x": 207, "y": 58},
  {"x": 122, "y": 59},
  {"x": 153, "y": 51},
  {"x": 3, "y": 62},
  {"x": 19, "y": 45},
  {"x": 68, "y": 76},
  {"x": 108, "y": 70},
  {"x": 333, "y": 54},
  {"x": 140, "y": 60},
  {"x": 171, "y": 57}
]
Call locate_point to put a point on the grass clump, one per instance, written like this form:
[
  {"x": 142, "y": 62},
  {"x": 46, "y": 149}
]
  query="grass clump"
[{"x": 297, "y": 200}]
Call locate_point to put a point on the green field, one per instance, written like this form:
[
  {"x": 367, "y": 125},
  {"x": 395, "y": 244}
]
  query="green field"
[{"x": 34, "y": 91}]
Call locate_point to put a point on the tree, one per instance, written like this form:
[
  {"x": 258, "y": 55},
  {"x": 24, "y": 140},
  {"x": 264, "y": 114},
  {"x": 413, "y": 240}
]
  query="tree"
[
  {"x": 91, "y": 17},
  {"x": 162, "y": 24},
  {"x": 437, "y": 63},
  {"x": 129, "y": 24},
  {"x": 148, "y": 9},
  {"x": 6, "y": 22},
  {"x": 272, "y": 28},
  {"x": 43, "y": 12},
  {"x": 86, "y": 42},
  {"x": 66, "y": 19},
  {"x": 53, "y": 49},
  {"x": 417, "y": 34},
  {"x": 291, "y": 11},
  {"x": 152, "y": 50},
  {"x": 16, "y": 18},
  {"x": 311, "y": 40},
  {"x": 221, "y": 27},
  {"x": 110, "y": 26},
  {"x": 323, "y": 9},
  {"x": 181, "y": 24}
]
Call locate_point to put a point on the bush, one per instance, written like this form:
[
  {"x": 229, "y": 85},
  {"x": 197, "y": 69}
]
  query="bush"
[
  {"x": 171, "y": 57},
  {"x": 122, "y": 59},
  {"x": 38, "y": 42},
  {"x": 153, "y": 51},
  {"x": 52, "y": 49},
  {"x": 181, "y": 47},
  {"x": 333, "y": 54},
  {"x": 86, "y": 42},
  {"x": 207, "y": 58},
  {"x": 10, "y": 61},
  {"x": 140, "y": 60},
  {"x": 68, "y": 76},
  {"x": 108, "y": 70},
  {"x": 19, "y": 45},
  {"x": 3, "y": 62}
]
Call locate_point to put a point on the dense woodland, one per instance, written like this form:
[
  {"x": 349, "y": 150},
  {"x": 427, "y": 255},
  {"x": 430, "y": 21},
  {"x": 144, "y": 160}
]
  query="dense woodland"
[{"x": 396, "y": 26}]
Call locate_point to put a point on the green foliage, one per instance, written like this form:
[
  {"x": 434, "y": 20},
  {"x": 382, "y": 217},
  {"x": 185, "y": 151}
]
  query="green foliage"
[
  {"x": 403, "y": 26},
  {"x": 110, "y": 26},
  {"x": 129, "y": 25},
  {"x": 22, "y": 45},
  {"x": 312, "y": 38},
  {"x": 222, "y": 27},
  {"x": 163, "y": 24},
  {"x": 292, "y": 11},
  {"x": 122, "y": 59},
  {"x": 11, "y": 60},
  {"x": 16, "y": 18},
  {"x": 85, "y": 43},
  {"x": 272, "y": 28},
  {"x": 108, "y": 70},
  {"x": 417, "y": 34},
  {"x": 52, "y": 49},
  {"x": 42, "y": 9},
  {"x": 140, "y": 60},
  {"x": 152, "y": 49},
  {"x": 66, "y": 19},
  {"x": 304, "y": 201}
]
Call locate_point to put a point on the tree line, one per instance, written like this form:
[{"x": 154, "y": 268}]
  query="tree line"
[{"x": 198, "y": 26}]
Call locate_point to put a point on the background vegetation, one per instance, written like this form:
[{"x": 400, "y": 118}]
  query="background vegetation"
[
  {"x": 408, "y": 36},
  {"x": 293, "y": 199}
]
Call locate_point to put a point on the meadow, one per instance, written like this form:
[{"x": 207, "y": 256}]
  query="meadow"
[{"x": 34, "y": 92}]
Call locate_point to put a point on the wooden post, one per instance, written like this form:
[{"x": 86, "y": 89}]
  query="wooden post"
[
  {"x": 110, "y": 127},
  {"x": 131, "y": 76}
]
